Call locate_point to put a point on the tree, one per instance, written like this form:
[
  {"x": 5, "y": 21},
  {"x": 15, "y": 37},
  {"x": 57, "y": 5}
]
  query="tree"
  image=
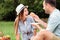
[{"x": 7, "y": 8}]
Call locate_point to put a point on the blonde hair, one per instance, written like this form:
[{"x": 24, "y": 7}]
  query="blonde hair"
[{"x": 16, "y": 23}]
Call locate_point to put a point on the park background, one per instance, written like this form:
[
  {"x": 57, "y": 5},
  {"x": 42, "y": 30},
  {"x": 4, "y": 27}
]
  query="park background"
[{"x": 8, "y": 13}]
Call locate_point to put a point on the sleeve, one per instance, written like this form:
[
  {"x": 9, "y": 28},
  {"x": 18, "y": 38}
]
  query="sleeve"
[{"x": 53, "y": 23}]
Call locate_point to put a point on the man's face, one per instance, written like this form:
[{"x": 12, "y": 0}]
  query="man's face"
[{"x": 46, "y": 7}]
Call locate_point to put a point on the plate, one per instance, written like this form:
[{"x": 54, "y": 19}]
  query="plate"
[{"x": 35, "y": 23}]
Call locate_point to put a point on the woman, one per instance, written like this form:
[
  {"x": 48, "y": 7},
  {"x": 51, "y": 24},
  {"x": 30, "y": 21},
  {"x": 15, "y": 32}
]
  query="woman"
[{"x": 23, "y": 23}]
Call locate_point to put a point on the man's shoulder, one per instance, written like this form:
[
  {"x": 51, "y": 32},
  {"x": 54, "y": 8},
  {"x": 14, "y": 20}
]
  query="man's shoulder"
[{"x": 55, "y": 13}]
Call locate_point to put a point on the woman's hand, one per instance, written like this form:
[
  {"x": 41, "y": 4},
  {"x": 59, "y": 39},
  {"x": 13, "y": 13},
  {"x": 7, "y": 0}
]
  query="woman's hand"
[{"x": 17, "y": 36}]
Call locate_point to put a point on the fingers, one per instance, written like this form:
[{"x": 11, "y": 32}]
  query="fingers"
[{"x": 34, "y": 24}]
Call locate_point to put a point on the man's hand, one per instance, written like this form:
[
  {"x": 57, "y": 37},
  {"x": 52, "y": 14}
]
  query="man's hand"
[
  {"x": 36, "y": 18},
  {"x": 36, "y": 25}
]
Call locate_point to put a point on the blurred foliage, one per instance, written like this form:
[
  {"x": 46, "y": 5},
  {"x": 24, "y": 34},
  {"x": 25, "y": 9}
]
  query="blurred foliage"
[
  {"x": 7, "y": 8},
  {"x": 57, "y": 4}
]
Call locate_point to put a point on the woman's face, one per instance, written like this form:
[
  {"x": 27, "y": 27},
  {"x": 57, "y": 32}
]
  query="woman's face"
[{"x": 25, "y": 13}]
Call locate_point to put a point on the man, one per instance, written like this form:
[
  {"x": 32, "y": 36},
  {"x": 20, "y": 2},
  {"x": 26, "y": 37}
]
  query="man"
[{"x": 52, "y": 31}]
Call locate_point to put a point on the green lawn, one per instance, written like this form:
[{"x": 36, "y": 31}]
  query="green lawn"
[{"x": 7, "y": 28}]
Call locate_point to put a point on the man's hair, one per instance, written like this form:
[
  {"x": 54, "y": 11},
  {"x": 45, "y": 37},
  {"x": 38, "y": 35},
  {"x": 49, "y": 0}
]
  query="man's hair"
[{"x": 51, "y": 2}]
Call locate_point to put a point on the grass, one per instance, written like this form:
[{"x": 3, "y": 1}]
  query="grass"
[{"x": 8, "y": 29}]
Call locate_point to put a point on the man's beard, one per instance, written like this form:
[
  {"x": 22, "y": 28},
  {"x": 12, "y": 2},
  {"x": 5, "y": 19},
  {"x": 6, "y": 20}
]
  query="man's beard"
[{"x": 47, "y": 12}]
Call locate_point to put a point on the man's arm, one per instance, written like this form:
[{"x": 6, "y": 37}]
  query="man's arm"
[
  {"x": 37, "y": 26},
  {"x": 37, "y": 19},
  {"x": 42, "y": 23}
]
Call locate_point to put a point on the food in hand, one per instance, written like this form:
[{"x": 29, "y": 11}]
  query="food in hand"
[{"x": 32, "y": 14}]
